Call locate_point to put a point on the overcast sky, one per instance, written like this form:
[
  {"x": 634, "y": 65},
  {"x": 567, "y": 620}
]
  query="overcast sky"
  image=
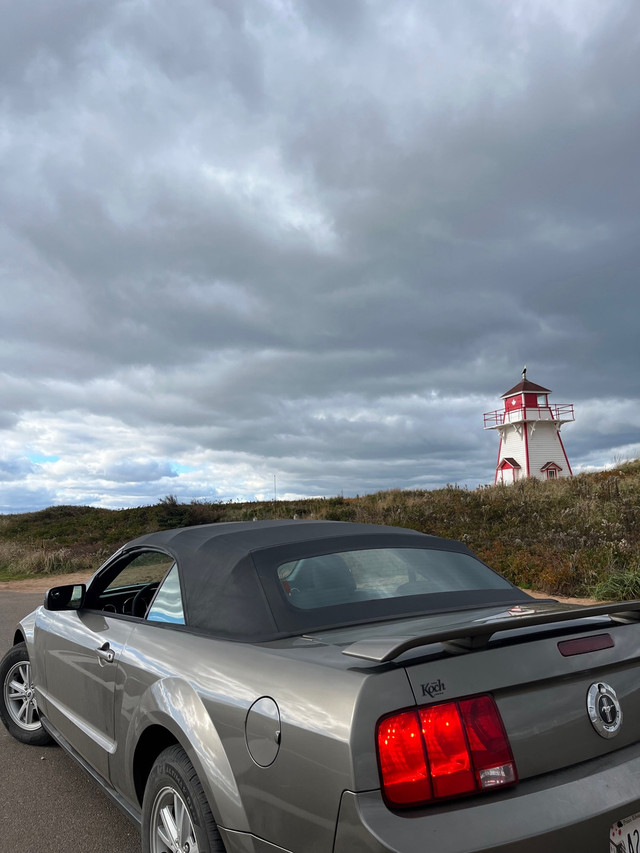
[{"x": 312, "y": 240}]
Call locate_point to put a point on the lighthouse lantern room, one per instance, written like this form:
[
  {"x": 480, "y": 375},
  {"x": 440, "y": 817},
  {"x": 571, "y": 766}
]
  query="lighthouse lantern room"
[{"x": 529, "y": 428}]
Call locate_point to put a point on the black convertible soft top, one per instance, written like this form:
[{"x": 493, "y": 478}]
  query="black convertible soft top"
[{"x": 229, "y": 582}]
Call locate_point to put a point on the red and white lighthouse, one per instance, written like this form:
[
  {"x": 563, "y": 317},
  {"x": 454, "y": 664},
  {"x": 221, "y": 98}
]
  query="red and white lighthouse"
[{"x": 529, "y": 428}]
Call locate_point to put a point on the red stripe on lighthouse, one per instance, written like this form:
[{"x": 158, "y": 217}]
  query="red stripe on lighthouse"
[
  {"x": 565, "y": 453},
  {"x": 495, "y": 479}
]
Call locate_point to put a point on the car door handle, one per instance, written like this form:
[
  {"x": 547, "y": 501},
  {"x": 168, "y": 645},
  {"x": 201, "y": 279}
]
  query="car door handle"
[{"x": 106, "y": 653}]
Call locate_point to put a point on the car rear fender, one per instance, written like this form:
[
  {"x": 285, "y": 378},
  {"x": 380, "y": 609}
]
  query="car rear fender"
[{"x": 173, "y": 704}]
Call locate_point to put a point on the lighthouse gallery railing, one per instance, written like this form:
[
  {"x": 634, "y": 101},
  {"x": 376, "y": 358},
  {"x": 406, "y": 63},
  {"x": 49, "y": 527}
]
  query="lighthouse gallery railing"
[{"x": 557, "y": 412}]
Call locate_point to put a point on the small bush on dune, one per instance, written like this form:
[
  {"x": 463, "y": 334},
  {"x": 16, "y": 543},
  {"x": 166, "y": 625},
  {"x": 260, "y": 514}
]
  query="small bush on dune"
[{"x": 623, "y": 585}]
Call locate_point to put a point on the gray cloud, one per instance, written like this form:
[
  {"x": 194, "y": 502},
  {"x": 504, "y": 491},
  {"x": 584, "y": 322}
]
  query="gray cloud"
[{"x": 317, "y": 238}]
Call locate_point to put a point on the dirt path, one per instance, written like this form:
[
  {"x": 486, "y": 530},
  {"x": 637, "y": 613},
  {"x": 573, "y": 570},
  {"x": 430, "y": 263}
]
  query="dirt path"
[
  {"x": 42, "y": 584},
  {"x": 565, "y": 600}
]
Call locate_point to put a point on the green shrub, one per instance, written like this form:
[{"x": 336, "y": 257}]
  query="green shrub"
[{"x": 622, "y": 586}]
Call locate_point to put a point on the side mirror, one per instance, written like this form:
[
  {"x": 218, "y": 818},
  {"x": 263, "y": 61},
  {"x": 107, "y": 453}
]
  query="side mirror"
[{"x": 68, "y": 597}]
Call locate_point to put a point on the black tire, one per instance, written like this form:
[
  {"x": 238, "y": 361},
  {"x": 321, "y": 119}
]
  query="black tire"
[
  {"x": 18, "y": 709},
  {"x": 174, "y": 785}
]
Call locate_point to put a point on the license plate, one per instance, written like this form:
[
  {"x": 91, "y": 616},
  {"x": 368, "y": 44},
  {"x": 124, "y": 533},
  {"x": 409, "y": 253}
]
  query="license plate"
[{"x": 624, "y": 836}]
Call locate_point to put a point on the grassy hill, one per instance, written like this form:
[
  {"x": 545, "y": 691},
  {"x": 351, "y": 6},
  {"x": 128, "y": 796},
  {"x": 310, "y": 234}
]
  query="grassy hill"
[{"x": 578, "y": 536}]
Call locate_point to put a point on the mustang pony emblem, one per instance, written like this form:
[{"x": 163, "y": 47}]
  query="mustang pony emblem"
[{"x": 604, "y": 709}]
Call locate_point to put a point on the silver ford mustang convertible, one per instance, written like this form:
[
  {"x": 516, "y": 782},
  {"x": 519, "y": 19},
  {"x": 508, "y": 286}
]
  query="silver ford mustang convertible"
[{"x": 319, "y": 687}]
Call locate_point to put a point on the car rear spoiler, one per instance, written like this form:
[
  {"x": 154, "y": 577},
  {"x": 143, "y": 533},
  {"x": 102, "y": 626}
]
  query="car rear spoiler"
[{"x": 476, "y": 635}]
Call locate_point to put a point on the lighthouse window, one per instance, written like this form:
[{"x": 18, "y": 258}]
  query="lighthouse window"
[
  {"x": 542, "y": 399},
  {"x": 551, "y": 474}
]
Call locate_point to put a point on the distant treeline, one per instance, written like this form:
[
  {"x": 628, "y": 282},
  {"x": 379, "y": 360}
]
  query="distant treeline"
[{"x": 578, "y": 536}]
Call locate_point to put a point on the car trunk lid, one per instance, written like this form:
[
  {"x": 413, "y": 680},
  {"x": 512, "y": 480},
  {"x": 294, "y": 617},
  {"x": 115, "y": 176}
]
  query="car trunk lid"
[{"x": 550, "y": 668}]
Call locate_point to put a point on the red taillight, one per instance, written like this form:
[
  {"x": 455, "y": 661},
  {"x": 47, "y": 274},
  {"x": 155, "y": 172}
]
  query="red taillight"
[
  {"x": 402, "y": 759},
  {"x": 449, "y": 758},
  {"x": 443, "y": 751},
  {"x": 490, "y": 750}
]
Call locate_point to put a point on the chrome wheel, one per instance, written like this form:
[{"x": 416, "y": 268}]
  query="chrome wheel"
[
  {"x": 20, "y": 697},
  {"x": 176, "y": 817},
  {"x": 171, "y": 825}
]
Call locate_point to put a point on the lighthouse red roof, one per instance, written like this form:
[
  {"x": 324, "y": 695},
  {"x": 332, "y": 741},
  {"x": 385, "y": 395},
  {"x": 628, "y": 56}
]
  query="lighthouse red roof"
[{"x": 525, "y": 385}]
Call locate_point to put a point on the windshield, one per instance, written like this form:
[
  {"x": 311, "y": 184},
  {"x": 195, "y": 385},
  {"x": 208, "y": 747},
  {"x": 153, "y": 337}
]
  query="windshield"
[{"x": 349, "y": 576}]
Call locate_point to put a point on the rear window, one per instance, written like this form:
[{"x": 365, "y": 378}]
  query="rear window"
[{"x": 382, "y": 573}]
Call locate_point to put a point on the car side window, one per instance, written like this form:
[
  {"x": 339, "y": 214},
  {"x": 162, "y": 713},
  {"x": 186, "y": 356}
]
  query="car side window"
[
  {"x": 130, "y": 587},
  {"x": 149, "y": 567},
  {"x": 167, "y": 604}
]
